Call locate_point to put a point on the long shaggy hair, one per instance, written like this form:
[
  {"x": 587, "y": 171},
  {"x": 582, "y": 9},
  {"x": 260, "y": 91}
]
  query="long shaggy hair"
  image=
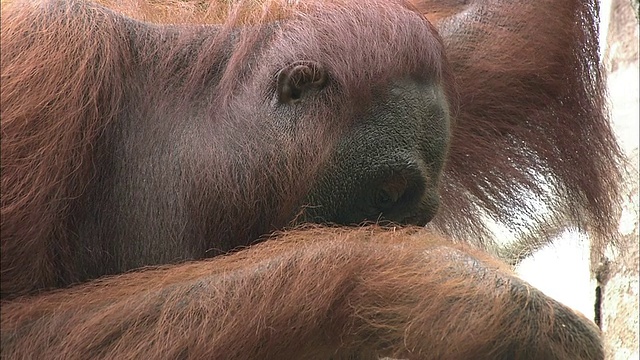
[
  {"x": 61, "y": 101},
  {"x": 532, "y": 149}
]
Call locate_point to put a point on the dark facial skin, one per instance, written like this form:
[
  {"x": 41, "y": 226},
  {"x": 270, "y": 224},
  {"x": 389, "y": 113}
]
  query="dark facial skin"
[{"x": 387, "y": 167}]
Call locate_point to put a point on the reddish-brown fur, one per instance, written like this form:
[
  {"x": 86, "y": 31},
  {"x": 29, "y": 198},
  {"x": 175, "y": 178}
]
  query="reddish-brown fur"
[
  {"x": 316, "y": 293},
  {"x": 531, "y": 103},
  {"x": 532, "y": 97},
  {"x": 49, "y": 154}
]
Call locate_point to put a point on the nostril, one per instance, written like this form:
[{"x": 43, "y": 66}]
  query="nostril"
[
  {"x": 390, "y": 193},
  {"x": 399, "y": 196},
  {"x": 384, "y": 199}
]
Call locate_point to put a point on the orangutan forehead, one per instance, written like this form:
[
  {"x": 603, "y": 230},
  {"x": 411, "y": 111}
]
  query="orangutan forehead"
[{"x": 363, "y": 42}]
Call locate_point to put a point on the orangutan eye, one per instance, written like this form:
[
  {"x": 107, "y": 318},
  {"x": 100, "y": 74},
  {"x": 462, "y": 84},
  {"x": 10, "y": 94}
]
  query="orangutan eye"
[{"x": 297, "y": 79}]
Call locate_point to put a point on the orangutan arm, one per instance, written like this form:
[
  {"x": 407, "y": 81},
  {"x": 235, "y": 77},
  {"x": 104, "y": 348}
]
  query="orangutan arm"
[{"x": 317, "y": 293}]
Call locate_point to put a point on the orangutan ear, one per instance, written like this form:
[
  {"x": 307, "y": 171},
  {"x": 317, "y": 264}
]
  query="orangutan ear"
[{"x": 299, "y": 78}]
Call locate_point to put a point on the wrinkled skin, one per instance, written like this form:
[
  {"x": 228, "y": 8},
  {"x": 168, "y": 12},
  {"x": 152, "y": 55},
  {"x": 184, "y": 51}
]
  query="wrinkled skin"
[{"x": 388, "y": 167}]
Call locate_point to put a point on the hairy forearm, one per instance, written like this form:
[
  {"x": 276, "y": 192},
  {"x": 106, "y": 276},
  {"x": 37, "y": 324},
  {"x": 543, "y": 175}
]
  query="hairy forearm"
[{"x": 337, "y": 293}]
